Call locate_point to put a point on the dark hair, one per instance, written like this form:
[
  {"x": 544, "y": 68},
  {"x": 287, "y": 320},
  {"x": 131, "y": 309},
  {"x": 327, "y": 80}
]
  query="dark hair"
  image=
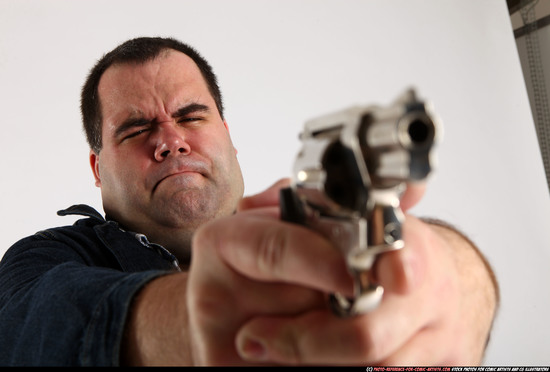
[{"x": 139, "y": 50}]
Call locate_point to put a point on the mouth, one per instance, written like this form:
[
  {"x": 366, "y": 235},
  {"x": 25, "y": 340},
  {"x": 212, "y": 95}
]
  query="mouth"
[
  {"x": 182, "y": 169},
  {"x": 184, "y": 173}
]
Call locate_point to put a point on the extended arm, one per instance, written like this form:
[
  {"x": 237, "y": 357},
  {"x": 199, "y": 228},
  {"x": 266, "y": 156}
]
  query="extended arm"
[{"x": 260, "y": 297}]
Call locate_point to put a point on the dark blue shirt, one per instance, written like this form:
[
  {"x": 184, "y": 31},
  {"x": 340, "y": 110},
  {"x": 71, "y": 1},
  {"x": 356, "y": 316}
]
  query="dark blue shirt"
[{"x": 65, "y": 292}]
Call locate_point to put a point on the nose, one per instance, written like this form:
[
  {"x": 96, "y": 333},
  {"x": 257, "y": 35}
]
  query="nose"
[{"x": 169, "y": 141}]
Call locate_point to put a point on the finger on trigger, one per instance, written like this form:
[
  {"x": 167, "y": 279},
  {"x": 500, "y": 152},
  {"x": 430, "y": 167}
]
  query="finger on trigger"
[{"x": 412, "y": 195}]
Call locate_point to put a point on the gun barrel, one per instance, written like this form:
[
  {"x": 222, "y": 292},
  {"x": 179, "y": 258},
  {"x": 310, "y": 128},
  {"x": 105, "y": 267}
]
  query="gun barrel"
[{"x": 397, "y": 149}]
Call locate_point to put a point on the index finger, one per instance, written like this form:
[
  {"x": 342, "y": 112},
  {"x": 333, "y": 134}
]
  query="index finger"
[
  {"x": 270, "y": 197},
  {"x": 412, "y": 195}
]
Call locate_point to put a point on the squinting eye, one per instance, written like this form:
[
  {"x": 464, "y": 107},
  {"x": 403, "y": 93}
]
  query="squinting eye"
[
  {"x": 134, "y": 134},
  {"x": 189, "y": 120}
]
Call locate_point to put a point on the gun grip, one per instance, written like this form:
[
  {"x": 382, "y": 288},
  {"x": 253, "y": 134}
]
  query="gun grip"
[{"x": 292, "y": 209}]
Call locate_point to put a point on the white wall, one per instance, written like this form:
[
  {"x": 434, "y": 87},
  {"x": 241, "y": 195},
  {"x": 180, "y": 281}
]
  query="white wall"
[{"x": 281, "y": 62}]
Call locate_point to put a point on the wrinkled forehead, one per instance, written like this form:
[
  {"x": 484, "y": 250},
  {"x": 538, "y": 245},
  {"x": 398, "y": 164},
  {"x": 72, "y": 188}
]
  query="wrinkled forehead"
[
  {"x": 171, "y": 78},
  {"x": 169, "y": 66}
]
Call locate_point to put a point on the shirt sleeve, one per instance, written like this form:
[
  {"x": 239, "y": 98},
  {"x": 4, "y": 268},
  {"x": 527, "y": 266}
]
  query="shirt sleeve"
[{"x": 56, "y": 310}]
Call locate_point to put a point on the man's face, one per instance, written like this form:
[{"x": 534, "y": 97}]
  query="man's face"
[{"x": 167, "y": 164}]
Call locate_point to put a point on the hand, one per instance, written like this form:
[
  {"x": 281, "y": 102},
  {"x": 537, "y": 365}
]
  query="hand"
[
  {"x": 248, "y": 265},
  {"x": 257, "y": 288}
]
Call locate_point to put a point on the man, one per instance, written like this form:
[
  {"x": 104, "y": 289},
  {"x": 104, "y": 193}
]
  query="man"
[{"x": 123, "y": 290}]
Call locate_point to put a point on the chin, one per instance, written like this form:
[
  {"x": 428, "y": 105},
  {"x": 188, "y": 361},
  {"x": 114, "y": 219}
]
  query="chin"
[{"x": 186, "y": 209}]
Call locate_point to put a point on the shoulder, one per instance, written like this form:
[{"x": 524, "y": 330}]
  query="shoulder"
[
  {"x": 91, "y": 242},
  {"x": 79, "y": 242}
]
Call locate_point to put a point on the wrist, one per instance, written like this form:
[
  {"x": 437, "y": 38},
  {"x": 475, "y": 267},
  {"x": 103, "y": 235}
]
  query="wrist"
[{"x": 156, "y": 331}]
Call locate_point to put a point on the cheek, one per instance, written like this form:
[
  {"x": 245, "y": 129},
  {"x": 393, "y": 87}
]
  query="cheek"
[
  {"x": 223, "y": 156},
  {"x": 120, "y": 176}
]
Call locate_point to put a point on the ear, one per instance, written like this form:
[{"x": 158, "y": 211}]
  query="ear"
[
  {"x": 94, "y": 163},
  {"x": 227, "y": 127}
]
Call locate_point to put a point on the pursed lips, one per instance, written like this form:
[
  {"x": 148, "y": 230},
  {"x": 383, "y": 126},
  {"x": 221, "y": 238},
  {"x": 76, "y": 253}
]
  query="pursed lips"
[{"x": 195, "y": 167}]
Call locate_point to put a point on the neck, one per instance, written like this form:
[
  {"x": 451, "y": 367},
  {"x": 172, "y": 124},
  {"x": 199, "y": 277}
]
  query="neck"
[{"x": 176, "y": 241}]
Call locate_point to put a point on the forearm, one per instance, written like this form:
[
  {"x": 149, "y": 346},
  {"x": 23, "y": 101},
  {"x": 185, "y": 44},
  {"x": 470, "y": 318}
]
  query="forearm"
[
  {"x": 157, "y": 327},
  {"x": 69, "y": 315},
  {"x": 479, "y": 287}
]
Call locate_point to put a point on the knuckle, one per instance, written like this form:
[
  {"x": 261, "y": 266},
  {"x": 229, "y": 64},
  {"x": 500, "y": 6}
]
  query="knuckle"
[{"x": 271, "y": 252}]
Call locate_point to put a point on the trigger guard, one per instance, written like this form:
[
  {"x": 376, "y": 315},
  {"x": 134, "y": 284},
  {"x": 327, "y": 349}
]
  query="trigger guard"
[{"x": 366, "y": 302}]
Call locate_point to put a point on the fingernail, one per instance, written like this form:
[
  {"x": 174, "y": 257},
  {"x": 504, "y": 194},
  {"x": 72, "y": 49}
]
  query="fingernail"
[{"x": 253, "y": 350}]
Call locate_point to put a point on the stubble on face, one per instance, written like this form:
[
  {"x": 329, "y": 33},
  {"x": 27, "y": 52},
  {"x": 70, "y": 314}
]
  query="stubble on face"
[
  {"x": 169, "y": 208},
  {"x": 189, "y": 200}
]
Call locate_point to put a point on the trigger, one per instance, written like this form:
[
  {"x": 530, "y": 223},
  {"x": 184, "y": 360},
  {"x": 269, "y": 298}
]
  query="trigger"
[{"x": 292, "y": 209}]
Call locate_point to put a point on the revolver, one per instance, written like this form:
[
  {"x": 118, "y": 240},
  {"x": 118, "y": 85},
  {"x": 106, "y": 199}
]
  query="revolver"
[{"x": 348, "y": 179}]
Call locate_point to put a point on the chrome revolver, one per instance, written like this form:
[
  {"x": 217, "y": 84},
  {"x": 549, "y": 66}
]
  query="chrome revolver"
[{"x": 348, "y": 179}]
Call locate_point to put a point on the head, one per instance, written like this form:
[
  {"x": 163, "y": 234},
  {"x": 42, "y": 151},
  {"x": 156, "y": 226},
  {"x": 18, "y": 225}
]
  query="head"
[
  {"x": 137, "y": 50},
  {"x": 160, "y": 149}
]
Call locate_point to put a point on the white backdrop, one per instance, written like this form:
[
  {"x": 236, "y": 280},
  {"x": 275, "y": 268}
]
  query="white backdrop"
[{"x": 281, "y": 62}]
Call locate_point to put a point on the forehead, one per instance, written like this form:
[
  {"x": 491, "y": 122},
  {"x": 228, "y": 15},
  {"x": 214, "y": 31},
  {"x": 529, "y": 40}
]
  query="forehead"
[{"x": 168, "y": 72}]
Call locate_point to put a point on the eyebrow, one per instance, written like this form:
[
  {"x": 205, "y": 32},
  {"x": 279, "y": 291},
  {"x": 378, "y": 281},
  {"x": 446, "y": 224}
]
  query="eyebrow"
[
  {"x": 136, "y": 122},
  {"x": 188, "y": 109}
]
